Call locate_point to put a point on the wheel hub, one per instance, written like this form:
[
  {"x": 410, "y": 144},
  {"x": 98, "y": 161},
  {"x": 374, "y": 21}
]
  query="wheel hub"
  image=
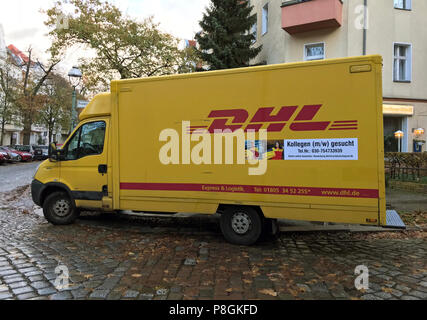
[
  {"x": 241, "y": 223},
  {"x": 61, "y": 208}
]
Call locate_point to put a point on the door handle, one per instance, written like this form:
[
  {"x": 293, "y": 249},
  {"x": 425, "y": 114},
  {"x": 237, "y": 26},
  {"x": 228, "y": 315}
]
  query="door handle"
[{"x": 102, "y": 169}]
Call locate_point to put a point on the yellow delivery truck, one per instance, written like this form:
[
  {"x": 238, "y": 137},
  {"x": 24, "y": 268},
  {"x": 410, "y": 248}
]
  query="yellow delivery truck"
[{"x": 300, "y": 141}]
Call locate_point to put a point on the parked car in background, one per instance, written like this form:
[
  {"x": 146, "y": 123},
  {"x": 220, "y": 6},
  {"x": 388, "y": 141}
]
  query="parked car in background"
[
  {"x": 13, "y": 156},
  {"x": 38, "y": 152},
  {"x": 4, "y": 157},
  {"x": 27, "y": 148},
  {"x": 45, "y": 151},
  {"x": 19, "y": 156}
]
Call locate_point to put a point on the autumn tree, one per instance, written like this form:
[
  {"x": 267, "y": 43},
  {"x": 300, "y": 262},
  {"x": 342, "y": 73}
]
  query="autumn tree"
[
  {"x": 29, "y": 99},
  {"x": 189, "y": 60},
  {"x": 55, "y": 113},
  {"x": 124, "y": 48},
  {"x": 226, "y": 41},
  {"x": 8, "y": 85}
]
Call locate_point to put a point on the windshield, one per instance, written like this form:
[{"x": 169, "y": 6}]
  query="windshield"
[{"x": 87, "y": 141}]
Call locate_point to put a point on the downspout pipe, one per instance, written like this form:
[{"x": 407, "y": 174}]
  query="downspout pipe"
[{"x": 365, "y": 25}]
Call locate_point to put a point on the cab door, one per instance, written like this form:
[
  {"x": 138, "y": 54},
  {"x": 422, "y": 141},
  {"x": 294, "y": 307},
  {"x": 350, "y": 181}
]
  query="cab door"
[{"x": 84, "y": 168}]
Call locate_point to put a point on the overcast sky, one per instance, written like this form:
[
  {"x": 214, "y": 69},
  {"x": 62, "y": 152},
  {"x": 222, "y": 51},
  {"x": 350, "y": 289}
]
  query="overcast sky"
[{"x": 23, "y": 23}]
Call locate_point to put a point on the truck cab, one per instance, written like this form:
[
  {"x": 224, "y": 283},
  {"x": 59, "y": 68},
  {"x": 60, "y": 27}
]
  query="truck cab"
[{"x": 76, "y": 176}]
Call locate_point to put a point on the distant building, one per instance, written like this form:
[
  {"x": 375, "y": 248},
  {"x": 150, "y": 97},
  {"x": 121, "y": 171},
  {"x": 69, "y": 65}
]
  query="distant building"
[
  {"x": 190, "y": 43},
  {"x": 304, "y": 30},
  {"x": 3, "y": 52},
  {"x": 14, "y": 133}
]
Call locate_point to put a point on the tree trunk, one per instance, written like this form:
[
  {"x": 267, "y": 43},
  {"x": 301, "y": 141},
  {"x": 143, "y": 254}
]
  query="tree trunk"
[
  {"x": 2, "y": 132},
  {"x": 27, "y": 133},
  {"x": 50, "y": 134}
]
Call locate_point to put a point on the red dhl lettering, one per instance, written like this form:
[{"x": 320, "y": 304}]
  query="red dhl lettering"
[{"x": 273, "y": 120}]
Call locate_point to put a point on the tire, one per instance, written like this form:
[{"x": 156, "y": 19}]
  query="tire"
[
  {"x": 241, "y": 225},
  {"x": 19, "y": 159},
  {"x": 59, "y": 209}
]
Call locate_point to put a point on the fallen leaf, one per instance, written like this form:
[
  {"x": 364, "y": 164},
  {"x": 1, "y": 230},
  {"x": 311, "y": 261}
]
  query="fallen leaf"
[
  {"x": 294, "y": 293},
  {"x": 136, "y": 275},
  {"x": 268, "y": 292}
]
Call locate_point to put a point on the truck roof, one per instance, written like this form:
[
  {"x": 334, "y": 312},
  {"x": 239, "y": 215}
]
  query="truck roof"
[
  {"x": 98, "y": 107},
  {"x": 101, "y": 103}
]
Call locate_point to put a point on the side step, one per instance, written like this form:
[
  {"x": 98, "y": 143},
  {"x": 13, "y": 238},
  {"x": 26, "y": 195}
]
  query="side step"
[{"x": 394, "y": 220}]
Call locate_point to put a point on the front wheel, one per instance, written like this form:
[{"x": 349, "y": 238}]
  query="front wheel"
[
  {"x": 241, "y": 225},
  {"x": 59, "y": 209}
]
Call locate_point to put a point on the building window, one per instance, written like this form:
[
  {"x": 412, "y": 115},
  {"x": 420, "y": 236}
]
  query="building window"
[
  {"x": 254, "y": 31},
  {"x": 403, "y": 4},
  {"x": 402, "y": 68},
  {"x": 265, "y": 19},
  {"x": 314, "y": 51}
]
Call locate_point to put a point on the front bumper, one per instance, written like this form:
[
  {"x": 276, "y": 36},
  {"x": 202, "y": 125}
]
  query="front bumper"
[{"x": 36, "y": 191}]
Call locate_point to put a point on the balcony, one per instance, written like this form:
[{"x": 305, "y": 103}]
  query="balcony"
[{"x": 308, "y": 15}]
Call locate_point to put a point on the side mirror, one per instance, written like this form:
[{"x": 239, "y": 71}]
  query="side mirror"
[{"x": 54, "y": 153}]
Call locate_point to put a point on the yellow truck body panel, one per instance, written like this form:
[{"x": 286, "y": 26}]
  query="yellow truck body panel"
[{"x": 324, "y": 142}]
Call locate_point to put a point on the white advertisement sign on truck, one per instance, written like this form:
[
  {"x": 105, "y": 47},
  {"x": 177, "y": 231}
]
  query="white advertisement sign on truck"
[{"x": 322, "y": 149}]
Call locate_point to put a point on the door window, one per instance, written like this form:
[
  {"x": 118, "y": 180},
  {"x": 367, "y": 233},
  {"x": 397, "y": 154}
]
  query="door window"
[{"x": 87, "y": 141}]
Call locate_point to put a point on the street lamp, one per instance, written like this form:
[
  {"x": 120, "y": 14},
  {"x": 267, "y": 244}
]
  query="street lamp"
[
  {"x": 74, "y": 76},
  {"x": 399, "y": 135}
]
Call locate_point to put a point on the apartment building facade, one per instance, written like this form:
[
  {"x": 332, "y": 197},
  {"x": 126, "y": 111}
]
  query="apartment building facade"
[
  {"x": 13, "y": 133},
  {"x": 304, "y": 30}
]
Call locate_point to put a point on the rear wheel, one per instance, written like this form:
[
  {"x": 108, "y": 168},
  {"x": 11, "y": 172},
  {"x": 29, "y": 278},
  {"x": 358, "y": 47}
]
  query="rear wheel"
[
  {"x": 59, "y": 209},
  {"x": 241, "y": 225}
]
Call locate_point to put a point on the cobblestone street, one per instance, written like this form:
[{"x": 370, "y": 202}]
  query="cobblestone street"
[{"x": 123, "y": 257}]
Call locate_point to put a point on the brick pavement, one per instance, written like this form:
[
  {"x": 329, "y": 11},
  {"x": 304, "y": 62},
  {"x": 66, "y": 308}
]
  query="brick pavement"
[{"x": 115, "y": 257}]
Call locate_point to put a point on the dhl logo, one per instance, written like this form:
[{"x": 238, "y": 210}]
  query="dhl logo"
[{"x": 265, "y": 118}]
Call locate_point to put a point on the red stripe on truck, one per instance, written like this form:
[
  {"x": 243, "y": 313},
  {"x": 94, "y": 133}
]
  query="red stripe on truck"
[{"x": 277, "y": 190}]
